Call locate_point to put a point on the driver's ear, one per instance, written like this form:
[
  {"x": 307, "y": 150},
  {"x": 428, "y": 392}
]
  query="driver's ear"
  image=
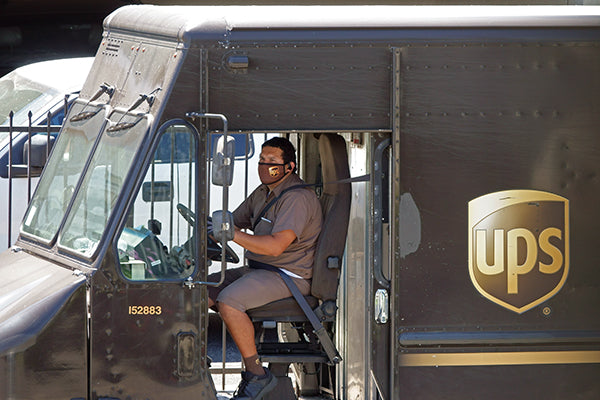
[{"x": 290, "y": 166}]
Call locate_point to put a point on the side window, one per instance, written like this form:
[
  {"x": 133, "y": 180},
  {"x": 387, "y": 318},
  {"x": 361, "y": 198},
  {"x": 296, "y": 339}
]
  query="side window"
[{"x": 158, "y": 242}]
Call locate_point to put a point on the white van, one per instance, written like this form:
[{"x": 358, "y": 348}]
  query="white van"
[{"x": 40, "y": 89}]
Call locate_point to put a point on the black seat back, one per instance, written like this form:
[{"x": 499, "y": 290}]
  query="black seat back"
[{"x": 335, "y": 203}]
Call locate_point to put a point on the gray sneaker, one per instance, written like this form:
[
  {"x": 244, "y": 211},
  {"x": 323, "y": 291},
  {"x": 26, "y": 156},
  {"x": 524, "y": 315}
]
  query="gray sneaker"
[{"x": 253, "y": 387}]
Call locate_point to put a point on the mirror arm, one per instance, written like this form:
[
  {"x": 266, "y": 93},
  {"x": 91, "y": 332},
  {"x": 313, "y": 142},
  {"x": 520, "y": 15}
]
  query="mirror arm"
[{"x": 223, "y": 118}]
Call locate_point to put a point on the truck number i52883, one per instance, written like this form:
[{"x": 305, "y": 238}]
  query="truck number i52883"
[{"x": 145, "y": 310}]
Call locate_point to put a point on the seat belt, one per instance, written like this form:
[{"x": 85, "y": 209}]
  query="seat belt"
[
  {"x": 362, "y": 178},
  {"x": 319, "y": 329}
]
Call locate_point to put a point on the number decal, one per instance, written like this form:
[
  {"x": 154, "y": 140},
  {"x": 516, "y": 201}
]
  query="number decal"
[{"x": 145, "y": 310}]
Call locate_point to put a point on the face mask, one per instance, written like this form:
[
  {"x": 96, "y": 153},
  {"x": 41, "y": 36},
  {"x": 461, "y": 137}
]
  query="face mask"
[{"x": 270, "y": 173}]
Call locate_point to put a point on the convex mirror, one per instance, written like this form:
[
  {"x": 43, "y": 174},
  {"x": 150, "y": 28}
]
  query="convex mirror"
[{"x": 223, "y": 161}]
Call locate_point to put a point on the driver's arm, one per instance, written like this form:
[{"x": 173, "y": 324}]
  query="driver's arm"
[{"x": 270, "y": 245}]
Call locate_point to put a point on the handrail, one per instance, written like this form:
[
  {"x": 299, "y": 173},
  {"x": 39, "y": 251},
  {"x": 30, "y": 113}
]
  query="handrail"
[
  {"x": 190, "y": 283},
  {"x": 378, "y": 217}
]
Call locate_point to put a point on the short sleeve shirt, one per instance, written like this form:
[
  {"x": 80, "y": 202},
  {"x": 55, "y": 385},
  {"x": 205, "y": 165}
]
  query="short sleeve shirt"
[{"x": 297, "y": 209}]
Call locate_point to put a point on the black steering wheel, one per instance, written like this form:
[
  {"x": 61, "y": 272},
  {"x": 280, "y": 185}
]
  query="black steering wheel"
[{"x": 213, "y": 249}]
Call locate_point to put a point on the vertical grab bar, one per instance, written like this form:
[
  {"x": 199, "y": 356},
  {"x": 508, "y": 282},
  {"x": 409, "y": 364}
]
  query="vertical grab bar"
[
  {"x": 10, "y": 166},
  {"x": 378, "y": 217}
]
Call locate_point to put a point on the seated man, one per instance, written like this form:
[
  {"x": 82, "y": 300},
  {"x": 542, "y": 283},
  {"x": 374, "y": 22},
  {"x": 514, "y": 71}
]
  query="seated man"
[{"x": 285, "y": 236}]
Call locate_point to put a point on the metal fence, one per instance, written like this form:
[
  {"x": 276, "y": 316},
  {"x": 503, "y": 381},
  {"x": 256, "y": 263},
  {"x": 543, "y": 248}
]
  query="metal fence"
[{"x": 26, "y": 169}]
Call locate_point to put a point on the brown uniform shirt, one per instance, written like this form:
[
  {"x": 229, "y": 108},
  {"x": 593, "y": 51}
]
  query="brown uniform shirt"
[{"x": 298, "y": 210}]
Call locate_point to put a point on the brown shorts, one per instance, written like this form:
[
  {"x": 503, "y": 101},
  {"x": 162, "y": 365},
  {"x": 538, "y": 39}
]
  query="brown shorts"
[{"x": 246, "y": 288}]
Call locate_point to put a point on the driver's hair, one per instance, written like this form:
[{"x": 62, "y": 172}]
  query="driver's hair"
[{"x": 289, "y": 152}]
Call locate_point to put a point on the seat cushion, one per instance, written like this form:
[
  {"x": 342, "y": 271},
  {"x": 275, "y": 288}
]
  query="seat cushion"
[{"x": 282, "y": 310}]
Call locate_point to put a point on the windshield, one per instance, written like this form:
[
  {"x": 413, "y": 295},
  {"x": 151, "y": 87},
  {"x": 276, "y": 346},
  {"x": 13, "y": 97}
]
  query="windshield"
[
  {"x": 62, "y": 172},
  {"x": 20, "y": 94},
  {"x": 102, "y": 183}
]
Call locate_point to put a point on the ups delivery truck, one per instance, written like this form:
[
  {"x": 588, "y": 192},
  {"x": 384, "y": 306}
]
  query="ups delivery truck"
[{"x": 456, "y": 154}]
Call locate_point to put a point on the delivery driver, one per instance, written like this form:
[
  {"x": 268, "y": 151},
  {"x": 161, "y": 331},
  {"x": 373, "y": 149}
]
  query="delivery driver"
[{"x": 285, "y": 236}]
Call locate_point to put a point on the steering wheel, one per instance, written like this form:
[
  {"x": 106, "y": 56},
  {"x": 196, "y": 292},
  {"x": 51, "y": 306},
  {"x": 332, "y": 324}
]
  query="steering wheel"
[
  {"x": 186, "y": 213},
  {"x": 213, "y": 248}
]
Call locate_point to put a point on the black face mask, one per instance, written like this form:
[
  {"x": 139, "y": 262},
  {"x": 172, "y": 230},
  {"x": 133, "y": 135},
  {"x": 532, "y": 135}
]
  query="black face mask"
[{"x": 270, "y": 173}]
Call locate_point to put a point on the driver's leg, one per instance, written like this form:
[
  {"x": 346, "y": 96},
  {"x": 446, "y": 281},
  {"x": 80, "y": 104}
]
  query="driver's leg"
[
  {"x": 241, "y": 329},
  {"x": 231, "y": 275}
]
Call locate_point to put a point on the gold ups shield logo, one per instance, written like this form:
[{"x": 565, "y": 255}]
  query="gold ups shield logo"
[{"x": 519, "y": 247}]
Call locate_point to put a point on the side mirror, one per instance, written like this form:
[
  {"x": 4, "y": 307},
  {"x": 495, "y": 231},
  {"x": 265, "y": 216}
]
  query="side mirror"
[
  {"x": 39, "y": 146},
  {"x": 222, "y": 225},
  {"x": 223, "y": 161}
]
